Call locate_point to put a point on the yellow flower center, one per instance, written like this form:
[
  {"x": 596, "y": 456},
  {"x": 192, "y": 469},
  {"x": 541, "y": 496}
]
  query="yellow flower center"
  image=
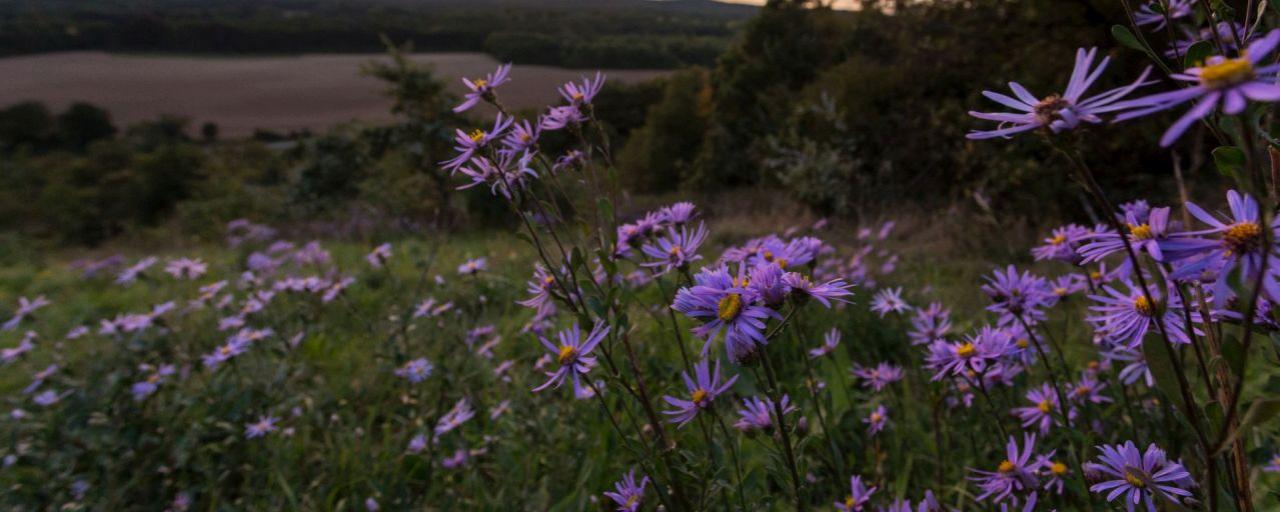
[
  {"x": 1058, "y": 239},
  {"x": 1044, "y": 406},
  {"x": 1242, "y": 237},
  {"x": 1058, "y": 468},
  {"x": 1134, "y": 480},
  {"x": 481, "y": 83},
  {"x": 477, "y": 135},
  {"x": 1060, "y": 291},
  {"x": 1140, "y": 231},
  {"x": 632, "y": 500},
  {"x": 876, "y": 417},
  {"x": 567, "y": 354},
  {"x": 1023, "y": 343},
  {"x": 1047, "y": 109},
  {"x": 1095, "y": 275},
  {"x": 848, "y": 502},
  {"x": 1006, "y": 466},
  {"x": 225, "y": 350},
  {"x": 966, "y": 350},
  {"x": 675, "y": 250},
  {"x": 154, "y": 378},
  {"x": 1083, "y": 390},
  {"x": 1144, "y": 306},
  {"x": 577, "y": 96},
  {"x": 729, "y": 307},
  {"x": 1226, "y": 73},
  {"x": 1093, "y": 365},
  {"x": 699, "y": 396}
]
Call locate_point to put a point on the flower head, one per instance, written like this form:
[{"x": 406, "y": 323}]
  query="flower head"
[
  {"x": 859, "y": 496},
  {"x": 627, "y": 493},
  {"x": 1016, "y": 473},
  {"x": 482, "y": 88},
  {"x": 757, "y": 413},
  {"x": 572, "y": 355},
  {"x": 703, "y": 389},
  {"x": 1139, "y": 477}
]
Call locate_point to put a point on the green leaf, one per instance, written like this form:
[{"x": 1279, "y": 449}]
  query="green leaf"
[
  {"x": 1197, "y": 53},
  {"x": 1233, "y": 353},
  {"x": 1259, "y": 412},
  {"x": 1229, "y": 160},
  {"x": 1125, "y": 37}
]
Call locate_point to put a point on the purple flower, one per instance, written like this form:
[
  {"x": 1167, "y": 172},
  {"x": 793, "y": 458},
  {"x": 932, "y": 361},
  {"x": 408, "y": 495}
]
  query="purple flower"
[
  {"x": 130, "y": 274},
  {"x": 1017, "y": 472},
  {"x": 1159, "y": 12},
  {"x": 703, "y": 388},
  {"x": 1139, "y": 477},
  {"x": 235, "y": 346},
  {"x": 186, "y": 268},
  {"x": 459, "y": 414},
  {"x": 25, "y": 308},
  {"x": 457, "y": 460},
  {"x": 1088, "y": 389},
  {"x": 1232, "y": 81},
  {"x": 1053, "y": 472},
  {"x": 830, "y": 341},
  {"x": 506, "y": 174},
  {"x": 876, "y": 421},
  {"x": 678, "y": 214},
  {"x": 430, "y": 308},
  {"x": 473, "y": 266},
  {"x": 628, "y": 493},
  {"x": 878, "y": 376},
  {"x": 415, "y": 371},
  {"x": 757, "y": 413},
  {"x": 265, "y": 425},
  {"x": 930, "y": 324},
  {"x": 557, "y": 118},
  {"x": 889, "y": 300},
  {"x": 482, "y": 88},
  {"x": 973, "y": 356},
  {"x": 1017, "y": 296},
  {"x": 572, "y": 355},
  {"x": 1062, "y": 245},
  {"x": 1057, "y": 112},
  {"x": 727, "y": 306},
  {"x": 675, "y": 250},
  {"x": 417, "y": 444},
  {"x": 145, "y": 388},
  {"x": 580, "y": 94},
  {"x": 522, "y": 137},
  {"x": 859, "y": 496},
  {"x": 1125, "y": 317},
  {"x": 379, "y": 256},
  {"x": 469, "y": 143},
  {"x": 1240, "y": 244},
  {"x": 802, "y": 288},
  {"x": 1273, "y": 466},
  {"x": 1041, "y": 413}
]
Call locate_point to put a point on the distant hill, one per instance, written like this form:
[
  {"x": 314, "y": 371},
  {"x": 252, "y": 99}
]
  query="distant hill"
[{"x": 571, "y": 33}]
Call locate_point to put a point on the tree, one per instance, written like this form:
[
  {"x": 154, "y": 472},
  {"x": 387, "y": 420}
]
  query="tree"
[
  {"x": 83, "y": 124},
  {"x": 28, "y": 124}
]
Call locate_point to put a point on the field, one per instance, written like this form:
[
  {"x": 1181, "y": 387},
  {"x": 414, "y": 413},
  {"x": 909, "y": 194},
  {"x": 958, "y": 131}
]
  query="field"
[
  {"x": 857, "y": 265},
  {"x": 241, "y": 94}
]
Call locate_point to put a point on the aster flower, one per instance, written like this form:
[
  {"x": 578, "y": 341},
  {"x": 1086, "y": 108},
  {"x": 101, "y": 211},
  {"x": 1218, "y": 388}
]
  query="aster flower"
[
  {"x": 130, "y": 274},
  {"x": 1016, "y": 473},
  {"x": 581, "y": 94},
  {"x": 497, "y": 411},
  {"x": 542, "y": 291},
  {"x": 572, "y": 355},
  {"x": 1057, "y": 112},
  {"x": 1240, "y": 246},
  {"x": 1053, "y": 473},
  {"x": 628, "y": 493},
  {"x": 1135, "y": 367},
  {"x": 557, "y": 118},
  {"x": 1223, "y": 35},
  {"x": 457, "y": 460},
  {"x": 1148, "y": 232},
  {"x": 1062, "y": 245},
  {"x": 265, "y": 425},
  {"x": 502, "y": 176},
  {"x": 1017, "y": 296},
  {"x": 522, "y": 137},
  {"x": 975, "y": 355},
  {"x": 459, "y": 414},
  {"x": 25, "y": 308},
  {"x": 186, "y": 268},
  {"x": 678, "y": 214},
  {"x": 1142, "y": 478},
  {"x": 1089, "y": 389},
  {"x": 430, "y": 308},
  {"x": 48, "y": 397},
  {"x": 234, "y": 347},
  {"x": 727, "y": 306},
  {"x": 764, "y": 282},
  {"x": 473, "y": 266},
  {"x": 858, "y": 498},
  {"x": 930, "y": 324},
  {"x": 703, "y": 389},
  {"x": 757, "y": 413},
  {"x": 1127, "y": 316},
  {"x": 878, "y": 376},
  {"x": 675, "y": 250},
  {"x": 470, "y": 143},
  {"x": 417, "y": 444},
  {"x": 415, "y": 371},
  {"x": 889, "y": 300},
  {"x": 145, "y": 388},
  {"x": 1273, "y": 465},
  {"x": 877, "y": 420},
  {"x": 829, "y": 343},
  {"x": 1231, "y": 81},
  {"x": 1066, "y": 285},
  {"x": 379, "y": 256},
  {"x": 482, "y": 88},
  {"x": 1157, "y": 13},
  {"x": 1041, "y": 413},
  {"x": 802, "y": 288}
]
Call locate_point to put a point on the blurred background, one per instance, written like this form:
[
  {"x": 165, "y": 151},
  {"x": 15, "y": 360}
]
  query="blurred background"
[{"x": 155, "y": 121}]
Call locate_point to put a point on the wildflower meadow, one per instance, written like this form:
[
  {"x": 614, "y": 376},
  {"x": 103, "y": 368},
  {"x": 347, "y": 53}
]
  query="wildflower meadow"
[{"x": 587, "y": 356}]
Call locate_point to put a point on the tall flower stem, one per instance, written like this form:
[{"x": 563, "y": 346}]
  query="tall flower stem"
[{"x": 784, "y": 436}]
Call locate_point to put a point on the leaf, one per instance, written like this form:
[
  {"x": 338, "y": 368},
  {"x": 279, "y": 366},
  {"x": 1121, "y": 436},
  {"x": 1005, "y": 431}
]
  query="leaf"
[
  {"x": 1196, "y": 54},
  {"x": 1229, "y": 160},
  {"x": 1126, "y": 38},
  {"x": 1259, "y": 412},
  {"x": 1233, "y": 353}
]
